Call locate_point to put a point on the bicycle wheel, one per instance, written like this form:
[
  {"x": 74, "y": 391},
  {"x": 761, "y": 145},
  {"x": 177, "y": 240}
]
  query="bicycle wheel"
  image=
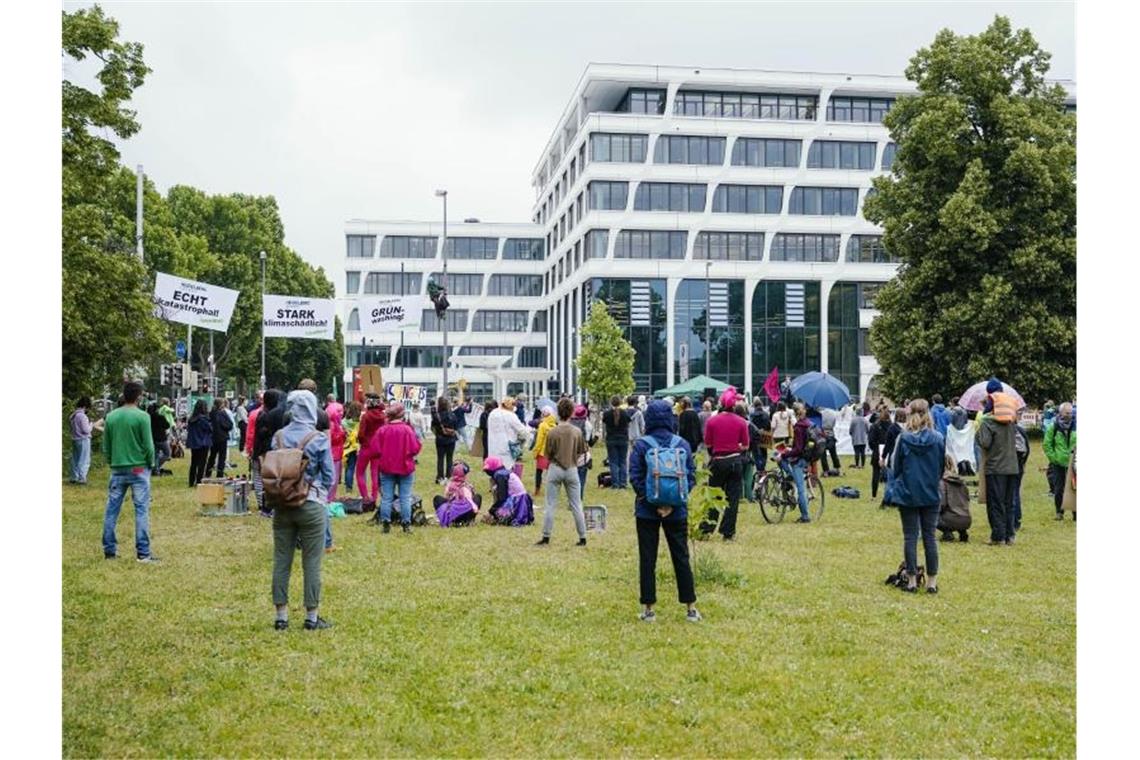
[
  {"x": 772, "y": 504},
  {"x": 816, "y": 497}
]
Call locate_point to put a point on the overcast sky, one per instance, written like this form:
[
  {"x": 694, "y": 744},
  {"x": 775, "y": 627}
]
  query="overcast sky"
[{"x": 347, "y": 111}]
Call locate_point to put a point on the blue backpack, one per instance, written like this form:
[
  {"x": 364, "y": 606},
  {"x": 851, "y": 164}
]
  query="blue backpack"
[{"x": 666, "y": 477}]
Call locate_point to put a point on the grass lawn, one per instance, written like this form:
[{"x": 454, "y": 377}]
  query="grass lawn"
[{"x": 474, "y": 642}]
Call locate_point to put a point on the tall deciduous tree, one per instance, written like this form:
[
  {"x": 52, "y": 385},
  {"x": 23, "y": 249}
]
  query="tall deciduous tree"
[
  {"x": 981, "y": 210},
  {"x": 605, "y": 365}
]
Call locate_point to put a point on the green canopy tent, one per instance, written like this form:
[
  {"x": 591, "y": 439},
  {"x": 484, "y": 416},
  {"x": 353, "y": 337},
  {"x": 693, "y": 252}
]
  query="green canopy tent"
[{"x": 692, "y": 388}]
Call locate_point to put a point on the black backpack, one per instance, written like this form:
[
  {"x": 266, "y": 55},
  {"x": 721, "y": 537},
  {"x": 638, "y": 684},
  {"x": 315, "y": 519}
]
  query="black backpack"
[{"x": 816, "y": 444}]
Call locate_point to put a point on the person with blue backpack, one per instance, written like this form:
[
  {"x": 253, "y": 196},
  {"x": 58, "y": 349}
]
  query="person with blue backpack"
[{"x": 662, "y": 472}]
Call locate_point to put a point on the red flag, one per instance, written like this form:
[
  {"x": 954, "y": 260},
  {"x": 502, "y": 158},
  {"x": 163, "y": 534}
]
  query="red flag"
[{"x": 772, "y": 385}]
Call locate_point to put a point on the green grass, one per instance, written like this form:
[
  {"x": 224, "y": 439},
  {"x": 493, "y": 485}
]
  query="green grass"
[{"x": 473, "y": 642}]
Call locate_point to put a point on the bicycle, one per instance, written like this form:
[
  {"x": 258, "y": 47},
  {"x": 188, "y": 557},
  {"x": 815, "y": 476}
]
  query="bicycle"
[{"x": 775, "y": 490}]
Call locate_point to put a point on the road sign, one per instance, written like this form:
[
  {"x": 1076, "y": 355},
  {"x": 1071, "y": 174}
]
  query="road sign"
[{"x": 180, "y": 349}]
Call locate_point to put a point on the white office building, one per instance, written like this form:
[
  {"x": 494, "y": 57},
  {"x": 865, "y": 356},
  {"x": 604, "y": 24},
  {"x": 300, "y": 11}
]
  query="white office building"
[{"x": 716, "y": 211}]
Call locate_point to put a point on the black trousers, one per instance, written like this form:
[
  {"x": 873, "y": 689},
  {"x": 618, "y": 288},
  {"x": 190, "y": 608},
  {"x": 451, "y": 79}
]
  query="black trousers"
[
  {"x": 198, "y": 458},
  {"x": 999, "y": 505},
  {"x": 876, "y": 474},
  {"x": 444, "y": 454},
  {"x": 860, "y": 454},
  {"x": 834, "y": 454},
  {"x": 218, "y": 456},
  {"x": 728, "y": 474},
  {"x": 648, "y": 539},
  {"x": 1057, "y": 475}
]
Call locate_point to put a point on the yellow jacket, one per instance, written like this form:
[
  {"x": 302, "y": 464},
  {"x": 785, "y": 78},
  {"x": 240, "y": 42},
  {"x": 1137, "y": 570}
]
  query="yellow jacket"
[{"x": 544, "y": 427}]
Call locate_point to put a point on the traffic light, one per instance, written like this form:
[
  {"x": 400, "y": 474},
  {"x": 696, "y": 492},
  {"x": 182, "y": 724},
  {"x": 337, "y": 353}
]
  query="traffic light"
[
  {"x": 166, "y": 374},
  {"x": 176, "y": 376},
  {"x": 438, "y": 296}
]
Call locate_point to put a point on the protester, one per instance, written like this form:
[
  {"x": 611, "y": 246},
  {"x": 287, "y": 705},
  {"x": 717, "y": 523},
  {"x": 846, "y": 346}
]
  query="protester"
[
  {"x": 726, "y": 438},
  {"x": 940, "y": 415},
  {"x": 616, "y": 421},
  {"x": 129, "y": 450},
  {"x": 740, "y": 408},
  {"x": 266, "y": 420},
  {"x": 858, "y": 430},
  {"x": 306, "y": 525},
  {"x": 690, "y": 426},
  {"x": 782, "y": 422},
  {"x": 763, "y": 422},
  {"x": 562, "y": 447},
  {"x": 1021, "y": 446},
  {"x": 513, "y": 505},
  {"x": 636, "y": 419},
  {"x": 546, "y": 423},
  {"x": 506, "y": 433},
  {"x": 1048, "y": 415},
  {"x": 581, "y": 420},
  {"x": 520, "y": 407},
  {"x": 160, "y": 434},
  {"x": 447, "y": 425},
  {"x": 241, "y": 420},
  {"x": 1060, "y": 440},
  {"x": 398, "y": 447},
  {"x": 793, "y": 459},
  {"x": 652, "y": 520},
  {"x": 337, "y": 438},
  {"x": 310, "y": 385},
  {"x": 80, "y": 442},
  {"x": 368, "y": 457},
  {"x": 827, "y": 418},
  {"x": 220, "y": 427},
  {"x": 459, "y": 504},
  {"x": 954, "y": 514},
  {"x": 199, "y": 439},
  {"x": 351, "y": 442},
  {"x": 916, "y": 489},
  {"x": 960, "y": 440},
  {"x": 892, "y": 436},
  {"x": 996, "y": 436},
  {"x": 703, "y": 416},
  {"x": 488, "y": 407}
]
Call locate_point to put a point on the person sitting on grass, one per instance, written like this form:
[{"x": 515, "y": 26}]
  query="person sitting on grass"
[
  {"x": 954, "y": 512},
  {"x": 459, "y": 504},
  {"x": 513, "y": 505}
]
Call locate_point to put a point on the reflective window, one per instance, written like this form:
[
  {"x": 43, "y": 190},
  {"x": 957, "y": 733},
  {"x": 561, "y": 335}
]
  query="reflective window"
[
  {"x": 472, "y": 248},
  {"x": 650, "y": 244},
  {"x": 358, "y": 355},
  {"x": 729, "y": 246},
  {"x": 500, "y": 351},
  {"x": 889, "y": 155},
  {"x": 746, "y": 105},
  {"x": 390, "y": 284},
  {"x": 791, "y": 246},
  {"x": 748, "y": 199},
  {"x": 834, "y": 154},
  {"x": 868, "y": 249},
  {"x": 689, "y": 149},
  {"x": 461, "y": 284},
  {"x": 708, "y": 318},
  {"x": 351, "y": 282},
  {"x": 532, "y": 356},
  {"x": 619, "y": 148},
  {"x": 749, "y": 151},
  {"x": 643, "y": 101},
  {"x": 843, "y": 333},
  {"x": 491, "y": 320},
  {"x": 638, "y": 306},
  {"x": 862, "y": 110},
  {"x": 608, "y": 196},
  {"x": 669, "y": 196},
  {"x": 597, "y": 241},
  {"x": 456, "y": 321},
  {"x": 420, "y": 356},
  {"x": 360, "y": 246},
  {"x": 354, "y": 319},
  {"x": 515, "y": 285},
  {"x": 785, "y": 329},
  {"x": 824, "y": 201},
  {"x": 524, "y": 249},
  {"x": 408, "y": 247},
  {"x": 539, "y": 324}
]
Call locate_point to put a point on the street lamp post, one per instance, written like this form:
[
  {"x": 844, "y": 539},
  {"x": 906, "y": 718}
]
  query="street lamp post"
[
  {"x": 708, "y": 319},
  {"x": 443, "y": 194},
  {"x": 261, "y": 380},
  {"x": 402, "y": 293}
]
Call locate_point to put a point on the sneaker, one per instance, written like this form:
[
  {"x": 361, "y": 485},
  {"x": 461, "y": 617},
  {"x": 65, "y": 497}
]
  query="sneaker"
[
  {"x": 544, "y": 541},
  {"x": 1009, "y": 541},
  {"x": 693, "y": 616},
  {"x": 647, "y": 616},
  {"x": 802, "y": 520},
  {"x": 932, "y": 589},
  {"x": 996, "y": 543},
  {"x": 387, "y": 526},
  {"x": 581, "y": 542},
  {"x": 280, "y": 625},
  {"x": 149, "y": 559},
  {"x": 407, "y": 527},
  {"x": 317, "y": 625},
  {"x": 110, "y": 556},
  {"x": 1060, "y": 516},
  {"x": 265, "y": 513},
  {"x": 728, "y": 539}
]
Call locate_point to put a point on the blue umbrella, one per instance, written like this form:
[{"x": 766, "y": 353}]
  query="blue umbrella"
[{"x": 821, "y": 390}]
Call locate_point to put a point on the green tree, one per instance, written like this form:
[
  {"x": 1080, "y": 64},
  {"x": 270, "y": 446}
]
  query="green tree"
[
  {"x": 981, "y": 210},
  {"x": 605, "y": 365}
]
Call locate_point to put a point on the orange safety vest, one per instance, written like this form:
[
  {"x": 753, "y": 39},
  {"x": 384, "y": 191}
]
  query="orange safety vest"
[{"x": 1005, "y": 408}]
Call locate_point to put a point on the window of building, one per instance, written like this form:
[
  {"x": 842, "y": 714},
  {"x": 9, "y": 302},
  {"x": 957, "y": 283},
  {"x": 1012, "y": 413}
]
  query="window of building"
[
  {"x": 360, "y": 246},
  {"x": 354, "y": 319},
  {"x": 539, "y": 322},
  {"x": 785, "y": 329},
  {"x": 708, "y": 318},
  {"x": 792, "y": 246},
  {"x": 669, "y": 196},
  {"x": 492, "y": 320},
  {"x": 532, "y": 356},
  {"x": 419, "y": 356},
  {"x": 461, "y": 284},
  {"x": 729, "y": 246},
  {"x": 843, "y": 333},
  {"x": 889, "y": 155},
  {"x": 472, "y": 248},
  {"x": 524, "y": 249},
  {"x": 868, "y": 249},
  {"x": 689, "y": 149},
  {"x": 750, "y": 151},
  {"x": 861, "y": 110},
  {"x": 824, "y": 201},
  {"x": 618, "y": 148},
  {"x": 638, "y": 306},
  {"x": 390, "y": 284},
  {"x": 643, "y": 101},
  {"x": 515, "y": 285},
  {"x": 597, "y": 243},
  {"x": 506, "y": 351},
  {"x": 351, "y": 282},
  {"x": 835, "y": 154},
  {"x": 650, "y": 244},
  {"x": 456, "y": 321},
  {"x": 408, "y": 247},
  {"x": 746, "y": 105},
  {"x": 608, "y": 196},
  {"x": 359, "y": 355},
  {"x": 748, "y": 199}
]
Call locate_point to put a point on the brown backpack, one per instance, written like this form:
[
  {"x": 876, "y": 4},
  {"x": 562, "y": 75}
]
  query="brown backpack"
[{"x": 283, "y": 473}]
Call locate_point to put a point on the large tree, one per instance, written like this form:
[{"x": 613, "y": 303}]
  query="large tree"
[
  {"x": 605, "y": 365},
  {"x": 980, "y": 208}
]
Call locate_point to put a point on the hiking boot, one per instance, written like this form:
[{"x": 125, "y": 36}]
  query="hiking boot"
[
  {"x": 802, "y": 520},
  {"x": 581, "y": 541},
  {"x": 963, "y": 536},
  {"x": 544, "y": 541},
  {"x": 317, "y": 625},
  {"x": 280, "y": 625},
  {"x": 693, "y": 616},
  {"x": 647, "y": 616},
  {"x": 407, "y": 527},
  {"x": 386, "y": 526},
  {"x": 946, "y": 536}
]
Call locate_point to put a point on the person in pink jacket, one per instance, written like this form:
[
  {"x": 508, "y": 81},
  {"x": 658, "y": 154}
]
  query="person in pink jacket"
[
  {"x": 368, "y": 457},
  {"x": 336, "y": 441},
  {"x": 398, "y": 445}
]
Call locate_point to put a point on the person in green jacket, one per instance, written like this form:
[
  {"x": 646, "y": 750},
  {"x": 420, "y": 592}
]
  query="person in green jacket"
[
  {"x": 1060, "y": 438},
  {"x": 129, "y": 449}
]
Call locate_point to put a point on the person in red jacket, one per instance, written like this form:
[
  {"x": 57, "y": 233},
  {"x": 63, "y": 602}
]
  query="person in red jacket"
[
  {"x": 398, "y": 445},
  {"x": 368, "y": 458},
  {"x": 726, "y": 438}
]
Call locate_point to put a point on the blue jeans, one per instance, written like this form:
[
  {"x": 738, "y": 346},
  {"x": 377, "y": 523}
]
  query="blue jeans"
[
  {"x": 618, "y": 454},
  {"x": 582, "y": 479},
  {"x": 80, "y": 460},
  {"x": 388, "y": 485},
  {"x": 349, "y": 470},
  {"x": 139, "y": 483},
  {"x": 328, "y": 528},
  {"x": 798, "y": 471},
  {"x": 920, "y": 521}
]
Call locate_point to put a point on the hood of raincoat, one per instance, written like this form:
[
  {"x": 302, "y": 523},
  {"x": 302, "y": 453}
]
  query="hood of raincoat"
[{"x": 659, "y": 416}]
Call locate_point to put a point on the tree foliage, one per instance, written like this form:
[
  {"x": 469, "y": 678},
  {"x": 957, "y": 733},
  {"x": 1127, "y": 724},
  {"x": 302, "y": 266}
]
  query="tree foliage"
[
  {"x": 981, "y": 210},
  {"x": 605, "y": 365}
]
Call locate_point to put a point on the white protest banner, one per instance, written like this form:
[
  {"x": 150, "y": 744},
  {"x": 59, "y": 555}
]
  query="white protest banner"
[
  {"x": 390, "y": 313},
  {"x": 409, "y": 395},
  {"x": 298, "y": 317},
  {"x": 177, "y": 299}
]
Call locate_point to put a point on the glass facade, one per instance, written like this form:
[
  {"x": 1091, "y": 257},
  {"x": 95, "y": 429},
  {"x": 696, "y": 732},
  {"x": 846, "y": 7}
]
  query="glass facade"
[
  {"x": 492, "y": 320},
  {"x": 524, "y": 249},
  {"x": 420, "y": 356},
  {"x": 834, "y": 154},
  {"x": 824, "y": 201},
  {"x": 748, "y": 199},
  {"x": 889, "y": 151},
  {"x": 729, "y": 246},
  {"x": 608, "y": 196},
  {"x": 618, "y": 148},
  {"x": 868, "y": 249},
  {"x": 861, "y": 110},
  {"x": 360, "y": 246},
  {"x": 650, "y": 244},
  {"x": 792, "y": 246},
  {"x": 639, "y": 308},
  {"x": 751, "y": 151},
  {"x": 472, "y": 248},
  {"x": 785, "y": 329},
  {"x": 638, "y": 100},
  {"x": 746, "y": 105},
  {"x": 689, "y": 149},
  {"x": 408, "y": 247},
  {"x": 389, "y": 283},
  {"x": 669, "y": 196},
  {"x": 710, "y": 314},
  {"x": 532, "y": 357},
  {"x": 597, "y": 243},
  {"x": 515, "y": 285},
  {"x": 461, "y": 284},
  {"x": 358, "y": 355},
  {"x": 456, "y": 321},
  {"x": 843, "y": 334},
  {"x": 539, "y": 324}
]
